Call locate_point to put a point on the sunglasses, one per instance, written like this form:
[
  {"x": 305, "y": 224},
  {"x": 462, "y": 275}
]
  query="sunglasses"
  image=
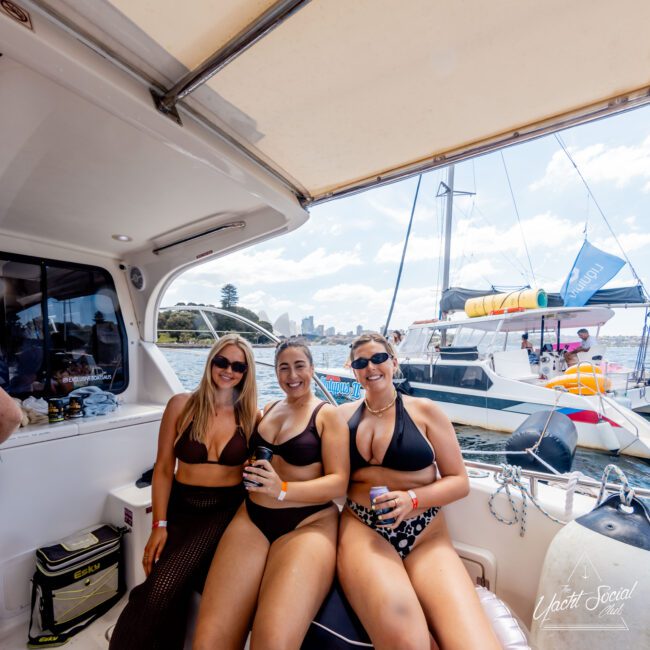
[
  {"x": 362, "y": 362},
  {"x": 223, "y": 363}
]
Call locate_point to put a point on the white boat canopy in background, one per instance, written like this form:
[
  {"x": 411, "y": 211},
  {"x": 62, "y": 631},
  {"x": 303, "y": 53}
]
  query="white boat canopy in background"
[{"x": 340, "y": 95}]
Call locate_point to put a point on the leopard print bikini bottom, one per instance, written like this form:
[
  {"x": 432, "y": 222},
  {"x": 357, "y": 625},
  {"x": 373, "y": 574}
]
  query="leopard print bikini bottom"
[{"x": 403, "y": 537}]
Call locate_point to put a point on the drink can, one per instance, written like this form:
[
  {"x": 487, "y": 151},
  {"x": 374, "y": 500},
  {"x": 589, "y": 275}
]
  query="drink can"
[
  {"x": 75, "y": 407},
  {"x": 260, "y": 453},
  {"x": 376, "y": 491},
  {"x": 55, "y": 410}
]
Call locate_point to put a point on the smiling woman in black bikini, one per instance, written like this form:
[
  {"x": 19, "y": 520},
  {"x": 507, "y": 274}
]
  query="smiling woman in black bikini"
[
  {"x": 277, "y": 558},
  {"x": 207, "y": 432},
  {"x": 404, "y": 580}
]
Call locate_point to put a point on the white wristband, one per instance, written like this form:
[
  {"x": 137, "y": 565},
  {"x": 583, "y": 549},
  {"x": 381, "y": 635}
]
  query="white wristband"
[{"x": 283, "y": 491}]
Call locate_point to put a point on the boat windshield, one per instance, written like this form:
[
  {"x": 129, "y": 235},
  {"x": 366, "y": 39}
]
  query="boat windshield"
[{"x": 419, "y": 342}]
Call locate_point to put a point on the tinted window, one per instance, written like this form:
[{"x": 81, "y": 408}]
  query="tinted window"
[
  {"x": 461, "y": 377},
  {"x": 84, "y": 341},
  {"x": 415, "y": 371},
  {"x": 22, "y": 368}
]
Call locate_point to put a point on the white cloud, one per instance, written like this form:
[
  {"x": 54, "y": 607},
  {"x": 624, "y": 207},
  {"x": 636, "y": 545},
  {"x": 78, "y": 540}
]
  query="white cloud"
[
  {"x": 260, "y": 300},
  {"x": 598, "y": 163},
  {"x": 419, "y": 248},
  {"x": 630, "y": 241},
  {"x": 470, "y": 236},
  {"x": 361, "y": 304}
]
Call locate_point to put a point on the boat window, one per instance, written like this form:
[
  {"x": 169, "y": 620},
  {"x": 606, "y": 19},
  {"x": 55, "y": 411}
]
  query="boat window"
[
  {"x": 416, "y": 371},
  {"x": 83, "y": 342},
  {"x": 468, "y": 337},
  {"x": 22, "y": 368},
  {"x": 461, "y": 376},
  {"x": 416, "y": 343}
]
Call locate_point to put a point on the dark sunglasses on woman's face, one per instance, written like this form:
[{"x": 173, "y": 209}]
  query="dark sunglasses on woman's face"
[
  {"x": 362, "y": 362},
  {"x": 223, "y": 363}
]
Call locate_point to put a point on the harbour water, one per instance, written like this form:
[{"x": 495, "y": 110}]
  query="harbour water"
[{"x": 189, "y": 364}]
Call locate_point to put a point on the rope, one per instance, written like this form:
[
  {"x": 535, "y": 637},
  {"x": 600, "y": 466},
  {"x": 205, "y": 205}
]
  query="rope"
[
  {"x": 602, "y": 214},
  {"x": 523, "y": 236},
  {"x": 535, "y": 447},
  {"x": 571, "y": 486},
  {"x": 401, "y": 264},
  {"x": 510, "y": 476},
  {"x": 625, "y": 492}
]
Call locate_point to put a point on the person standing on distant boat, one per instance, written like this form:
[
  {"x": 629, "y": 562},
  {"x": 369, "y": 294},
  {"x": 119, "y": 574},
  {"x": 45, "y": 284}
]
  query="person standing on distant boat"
[
  {"x": 207, "y": 433},
  {"x": 396, "y": 562},
  {"x": 586, "y": 343},
  {"x": 276, "y": 562}
]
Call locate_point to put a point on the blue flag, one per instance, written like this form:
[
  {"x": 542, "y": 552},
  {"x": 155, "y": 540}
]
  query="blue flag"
[{"x": 591, "y": 270}]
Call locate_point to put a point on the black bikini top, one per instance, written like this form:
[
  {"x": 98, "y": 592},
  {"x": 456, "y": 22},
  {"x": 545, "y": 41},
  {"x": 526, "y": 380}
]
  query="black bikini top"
[
  {"x": 302, "y": 449},
  {"x": 194, "y": 452},
  {"x": 408, "y": 450}
]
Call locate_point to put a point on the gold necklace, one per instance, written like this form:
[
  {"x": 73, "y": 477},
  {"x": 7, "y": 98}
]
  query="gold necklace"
[{"x": 380, "y": 412}]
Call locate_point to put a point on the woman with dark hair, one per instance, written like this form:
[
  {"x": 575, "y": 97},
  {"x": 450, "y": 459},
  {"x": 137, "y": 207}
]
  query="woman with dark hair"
[
  {"x": 396, "y": 562},
  {"x": 276, "y": 560},
  {"x": 207, "y": 433}
]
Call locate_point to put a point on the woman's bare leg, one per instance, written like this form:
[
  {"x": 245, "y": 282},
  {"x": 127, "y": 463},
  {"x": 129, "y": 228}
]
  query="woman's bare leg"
[
  {"x": 447, "y": 595},
  {"x": 299, "y": 572},
  {"x": 232, "y": 585},
  {"x": 378, "y": 587}
]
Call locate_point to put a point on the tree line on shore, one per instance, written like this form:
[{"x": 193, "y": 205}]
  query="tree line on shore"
[{"x": 181, "y": 326}]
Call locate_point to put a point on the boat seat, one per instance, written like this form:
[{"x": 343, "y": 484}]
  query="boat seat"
[
  {"x": 336, "y": 627},
  {"x": 593, "y": 351},
  {"x": 513, "y": 364}
]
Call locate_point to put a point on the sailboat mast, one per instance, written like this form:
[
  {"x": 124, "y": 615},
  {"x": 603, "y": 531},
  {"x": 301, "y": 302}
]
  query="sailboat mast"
[{"x": 448, "y": 226}]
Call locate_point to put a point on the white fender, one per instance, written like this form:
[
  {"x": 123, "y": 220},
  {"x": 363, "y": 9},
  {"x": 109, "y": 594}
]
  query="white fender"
[
  {"x": 595, "y": 582},
  {"x": 510, "y": 631}
]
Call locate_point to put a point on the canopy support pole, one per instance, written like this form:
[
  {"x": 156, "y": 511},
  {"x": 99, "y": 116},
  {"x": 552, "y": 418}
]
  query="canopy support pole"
[{"x": 260, "y": 27}]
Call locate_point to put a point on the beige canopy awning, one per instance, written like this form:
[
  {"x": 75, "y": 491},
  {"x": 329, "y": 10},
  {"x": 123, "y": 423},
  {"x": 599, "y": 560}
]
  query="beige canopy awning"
[{"x": 344, "y": 94}]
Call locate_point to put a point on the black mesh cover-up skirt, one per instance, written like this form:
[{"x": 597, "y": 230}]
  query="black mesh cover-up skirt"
[{"x": 155, "y": 616}]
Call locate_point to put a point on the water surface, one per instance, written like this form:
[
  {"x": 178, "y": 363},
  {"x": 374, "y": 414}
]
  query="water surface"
[{"x": 189, "y": 364}]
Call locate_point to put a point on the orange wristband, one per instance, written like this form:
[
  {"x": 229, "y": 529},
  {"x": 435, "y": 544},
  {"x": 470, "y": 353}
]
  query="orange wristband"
[
  {"x": 283, "y": 491},
  {"x": 414, "y": 499}
]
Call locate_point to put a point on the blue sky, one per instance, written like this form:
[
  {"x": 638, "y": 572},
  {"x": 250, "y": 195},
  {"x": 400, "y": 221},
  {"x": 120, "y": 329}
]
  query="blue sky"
[{"x": 342, "y": 264}]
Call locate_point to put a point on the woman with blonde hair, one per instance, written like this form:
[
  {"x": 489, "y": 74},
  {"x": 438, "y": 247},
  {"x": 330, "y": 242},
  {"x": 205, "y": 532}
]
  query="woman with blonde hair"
[
  {"x": 207, "y": 432},
  {"x": 396, "y": 562},
  {"x": 276, "y": 561}
]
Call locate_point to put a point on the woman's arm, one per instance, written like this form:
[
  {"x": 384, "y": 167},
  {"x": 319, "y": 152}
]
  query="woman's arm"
[
  {"x": 336, "y": 465},
  {"x": 163, "y": 474},
  {"x": 452, "y": 485},
  {"x": 10, "y": 416}
]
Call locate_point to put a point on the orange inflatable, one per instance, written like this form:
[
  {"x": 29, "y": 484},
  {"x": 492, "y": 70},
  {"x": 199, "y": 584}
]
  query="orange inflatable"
[{"x": 583, "y": 383}]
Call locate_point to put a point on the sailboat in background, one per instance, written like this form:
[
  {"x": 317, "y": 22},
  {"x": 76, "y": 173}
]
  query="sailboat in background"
[{"x": 485, "y": 379}]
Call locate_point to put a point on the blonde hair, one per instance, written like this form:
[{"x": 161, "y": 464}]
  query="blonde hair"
[{"x": 201, "y": 405}]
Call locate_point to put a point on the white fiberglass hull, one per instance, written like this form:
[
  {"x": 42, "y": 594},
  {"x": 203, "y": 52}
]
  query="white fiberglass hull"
[{"x": 507, "y": 403}]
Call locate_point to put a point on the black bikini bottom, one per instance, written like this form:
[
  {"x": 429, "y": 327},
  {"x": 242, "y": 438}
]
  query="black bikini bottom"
[
  {"x": 275, "y": 522},
  {"x": 401, "y": 538}
]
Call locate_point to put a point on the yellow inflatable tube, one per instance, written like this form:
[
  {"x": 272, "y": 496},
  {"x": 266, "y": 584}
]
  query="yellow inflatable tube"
[
  {"x": 581, "y": 385},
  {"x": 586, "y": 368},
  {"x": 500, "y": 302}
]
